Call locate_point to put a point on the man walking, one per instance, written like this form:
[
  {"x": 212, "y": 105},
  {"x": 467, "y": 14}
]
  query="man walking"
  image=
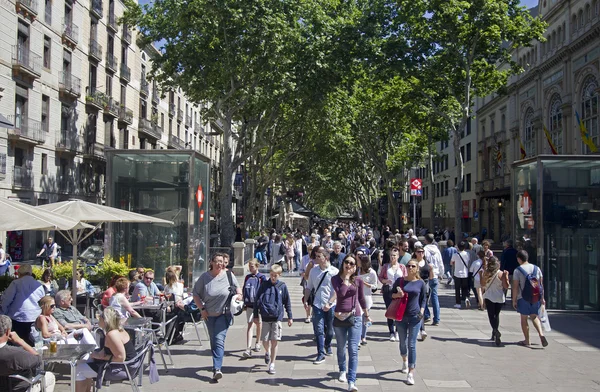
[
  {"x": 528, "y": 296},
  {"x": 434, "y": 258},
  {"x": 446, "y": 257},
  {"x": 319, "y": 283},
  {"x": 404, "y": 253},
  {"x": 337, "y": 255},
  {"x": 460, "y": 261}
]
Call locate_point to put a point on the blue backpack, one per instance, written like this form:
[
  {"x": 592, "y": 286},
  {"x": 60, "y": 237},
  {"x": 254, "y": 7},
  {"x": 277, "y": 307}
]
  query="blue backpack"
[
  {"x": 270, "y": 303},
  {"x": 251, "y": 285},
  {"x": 533, "y": 290}
]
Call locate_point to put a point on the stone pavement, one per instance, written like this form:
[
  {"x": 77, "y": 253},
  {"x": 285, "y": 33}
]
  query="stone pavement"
[{"x": 457, "y": 356}]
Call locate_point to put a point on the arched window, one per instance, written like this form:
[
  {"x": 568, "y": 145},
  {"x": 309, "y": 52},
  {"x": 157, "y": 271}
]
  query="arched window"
[
  {"x": 556, "y": 123},
  {"x": 559, "y": 36},
  {"x": 588, "y": 13},
  {"x": 574, "y": 24},
  {"x": 590, "y": 111},
  {"x": 503, "y": 122},
  {"x": 553, "y": 42},
  {"x": 529, "y": 135},
  {"x": 596, "y": 8},
  {"x": 580, "y": 19}
]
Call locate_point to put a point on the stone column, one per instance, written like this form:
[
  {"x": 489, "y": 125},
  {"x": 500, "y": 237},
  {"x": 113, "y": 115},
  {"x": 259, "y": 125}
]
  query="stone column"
[
  {"x": 249, "y": 251},
  {"x": 238, "y": 259}
]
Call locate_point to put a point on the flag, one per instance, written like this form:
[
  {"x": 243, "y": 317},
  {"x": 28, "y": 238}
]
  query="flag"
[
  {"x": 522, "y": 148},
  {"x": 584, "y": 135},
  {"x": 499, "y": 155},
  {"x": 549, "y": 139}
]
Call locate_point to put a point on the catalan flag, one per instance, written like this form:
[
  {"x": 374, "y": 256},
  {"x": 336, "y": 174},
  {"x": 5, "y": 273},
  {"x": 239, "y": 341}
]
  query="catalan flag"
[
  {"x": 549, "y": 139},
  {"x": 522, "y": 148},
  {"x": 584, "y": 135},
  {"x": 499, "y": 155}
]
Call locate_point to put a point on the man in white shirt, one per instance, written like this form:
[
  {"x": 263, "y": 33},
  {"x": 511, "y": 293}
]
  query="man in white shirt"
[
  {"x": 460, "y": 261},
  {"x": 319, "y": 279},
  {"x": 434, "y": 258}
]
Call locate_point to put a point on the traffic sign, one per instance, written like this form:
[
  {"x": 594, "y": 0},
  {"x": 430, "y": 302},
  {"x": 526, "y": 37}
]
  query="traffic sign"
[{"x": 416, "y": 185}]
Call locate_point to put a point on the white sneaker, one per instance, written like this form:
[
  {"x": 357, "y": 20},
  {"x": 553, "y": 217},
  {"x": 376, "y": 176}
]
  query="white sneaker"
[
  {"x": 352, "y": 387},
  {"x": 272, "y": 368},
  {"x": 457, "y": 306},
  {"x": 397, "y": 337},
  {"x": 423, "y": 335},
  {"x": 404, "y": 367},
  {"x": 419, "y": 336},
  {"x": 342, "y": 377},
  {"x": 392, "y": 337},
  {"x": 247, "y": 354},
  {"x": 257, "y": 347},
  {"x": 467, "y": 303},
  {"x": 410, "y": 379}
]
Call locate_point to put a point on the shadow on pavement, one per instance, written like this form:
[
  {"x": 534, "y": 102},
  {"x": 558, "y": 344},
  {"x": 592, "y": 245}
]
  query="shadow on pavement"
[
  {"x": 298, "y": 383},
  {"x": 582, "y": 327}
]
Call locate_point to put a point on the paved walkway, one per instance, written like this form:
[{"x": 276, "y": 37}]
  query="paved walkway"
[{"x": 457, "y": 356}]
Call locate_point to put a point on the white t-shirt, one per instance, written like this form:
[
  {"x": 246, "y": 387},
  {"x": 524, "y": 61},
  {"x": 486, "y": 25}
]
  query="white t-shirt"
[
  {"x": 2, "y": 257},
  {"x": 461, "y": 269},
  {"x": 474, "y": 269},
  {"x": 176, "y": 290},
  {"x": 517, "y": 275}
]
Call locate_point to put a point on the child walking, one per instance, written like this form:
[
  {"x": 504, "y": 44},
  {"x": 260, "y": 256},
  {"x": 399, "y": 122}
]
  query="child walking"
[
  {"x": 252, "y": 283},
  {"x": 271, "y": 298}
]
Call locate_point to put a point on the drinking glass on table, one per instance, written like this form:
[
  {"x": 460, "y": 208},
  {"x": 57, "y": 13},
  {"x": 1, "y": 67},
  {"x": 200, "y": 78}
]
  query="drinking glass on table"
[{"x": 78, "y": 335}]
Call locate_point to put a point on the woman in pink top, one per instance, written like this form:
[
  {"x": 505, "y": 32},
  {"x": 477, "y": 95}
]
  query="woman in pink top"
[
  {"x": 46, "y": 323},
  {"x": 110, "y": 291}
]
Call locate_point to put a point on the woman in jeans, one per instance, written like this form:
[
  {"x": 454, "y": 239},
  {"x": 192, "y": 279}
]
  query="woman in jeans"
[
  {"x": 389, "y": 273},
  {"x": 211, "y": 292},
  {"x": 408, "y": 328},
  {"x": 347, "y": 295},
  {"x": 369, "y": 279},
  {"x": 426, "y": 273},
  {"x": 493, "y": 283}
]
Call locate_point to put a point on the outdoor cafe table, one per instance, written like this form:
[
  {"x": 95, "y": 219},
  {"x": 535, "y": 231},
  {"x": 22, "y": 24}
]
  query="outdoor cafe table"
[
  {"x": 70, "y": 353},
  {"x": 162, "y": 307}
]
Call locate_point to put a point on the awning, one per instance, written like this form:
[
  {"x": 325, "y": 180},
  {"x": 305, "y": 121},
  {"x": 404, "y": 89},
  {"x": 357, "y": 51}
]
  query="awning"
[
  {"x": 503, "y": 193},
  {"x": 4, "y": 123}
]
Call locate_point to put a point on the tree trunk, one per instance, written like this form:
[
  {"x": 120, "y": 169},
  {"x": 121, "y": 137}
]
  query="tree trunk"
[
  {"x": 225, "y": 195},
  {"x": 459, "y": 181},
  {"x": 392, "y": 208},
  {"x": 434, "y": 219}
]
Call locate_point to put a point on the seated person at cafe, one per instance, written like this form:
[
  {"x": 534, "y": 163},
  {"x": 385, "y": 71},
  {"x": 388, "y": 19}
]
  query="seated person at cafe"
[
  {"x": 134, "y": 279},
  {"x": 110, "y": 291},
  {"x": 145, "y": 288},
  {"x": 48, "y": 327},
  {"x": 118, "y": 348},
  {"x": 21, "y": 359},
  {"x": 67, "y": 315},
  {"x": 120, "y": 302}
]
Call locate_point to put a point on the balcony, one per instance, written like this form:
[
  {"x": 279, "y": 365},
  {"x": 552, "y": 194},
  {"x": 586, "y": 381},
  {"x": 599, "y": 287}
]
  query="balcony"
[
  {"x": 188, "y": 121},
  {"x": 125, "y": 72},
  {"x": 176, "y": 143},
  {"x": 198, "y": 128},
  {"x": 70, "y": 32},
  {"x": 95, "y": 50},
  {"x": 218, "y": 124},
  {"x": 26, "y": 130},
  {"x": 111, "y": 62},
  {"x": 25, "y": 62},
  {"x": 23, "y": 177},
  {"x": 69, "y": 142},
  {"x": 155, "y": 97},
  {"x": 96, "y": 8},
  {"x": 69, "y": 85},
  {"x": 144, "y": 87},
  {"x": 146, "y": 127},
  {"x": 171, "y": 109},
  {"x": 93, "y": 150},
  {"x": 112, "y": 22},
  {"x": 125, "y": 115},
  {"x": 96, "y": 100},
  {"x": 27, "y": 8},
  {"x": 180, "y": 115},
  {"x": 111, "y": 108},
  {"x": 66, "y": 185},
  {"x": 126, "y": 34}
]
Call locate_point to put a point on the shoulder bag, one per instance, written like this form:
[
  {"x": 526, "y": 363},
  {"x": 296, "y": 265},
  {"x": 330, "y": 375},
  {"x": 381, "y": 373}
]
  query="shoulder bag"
[
  {"x": 350, "y": 320},
  {"x": 232, "y": 305},
  {"x": 396, "y": 309},
  {"x": 311, "y": 297}
]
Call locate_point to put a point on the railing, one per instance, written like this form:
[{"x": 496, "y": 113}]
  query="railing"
[
  {"x": 112, "y": 22},
  {"x": 171, "y": 109},
  {"x": 23, "y": 177},
  {"x": 157, "y": 129},
  {"x": 70, "y": 140},
  {"x": 69, "y": 84},
  {"x": 126, "y": 115},
  {"x": 66, "y": 185},
  {"x": 180, "y": 115},
  {"x": 70, "y": 31},
  {"x": 96, "y": 7},
  {"x": 111, "y": 62},
  {"x": 144, "y": 86},
  {"x": 24, "y": 58},
  {"x": 188, "y": 120},
  {"x": 147, "y": 127},
  {"x": 111, "y": 107},
  {"x": 26, "y": 128},
  {"x": 97, "y": 98},
  {"x": 125, "y": 72},
  {"x": 31, "y": 5},
  {"x": 95, "y": 49},
  {"x": 176, "y": 142},
  {"x": 126, "y": 34},
  {"x": 155, "y": 97}
]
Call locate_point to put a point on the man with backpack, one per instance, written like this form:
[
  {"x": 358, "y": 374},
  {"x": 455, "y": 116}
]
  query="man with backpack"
[
  {"x": 271, "y": 298},
  {"x": 252, "y": 284},
  {"x": 528, "y": 296}
]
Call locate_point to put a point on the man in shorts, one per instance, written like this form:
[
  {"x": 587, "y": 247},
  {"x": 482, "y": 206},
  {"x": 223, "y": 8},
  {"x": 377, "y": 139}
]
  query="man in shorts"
[{"x": 272, "y": 296}]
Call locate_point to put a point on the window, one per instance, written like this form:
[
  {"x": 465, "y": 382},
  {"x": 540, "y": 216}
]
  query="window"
[
  {"x": 446, "y": 188},
  {"x": 590, "y": 111},
  {"x": 2, "y": 163},
  {"x": 468, "y": 182},
  {"x": 47, "y": 45},
  {"x": 573, "y": 23},
  {"x": 556, "y": 123},
  {"x": 45, "y": 114},
  {"x": 92, "y": 77},
  {"x": 44, "y": 164},
  {"x": 123, "y": 95},
  {"x": 109, "y": 83},
  {"x": 503, "y": 122},
  {"x": 21, "y": 107},
  {"x": 462, "y": 153},
  {"x": 468, "y": 147},
  {"x": 529, "y": 135},
  {"x": 48, "y": 11},
  {"x": 580, "y": 19}
]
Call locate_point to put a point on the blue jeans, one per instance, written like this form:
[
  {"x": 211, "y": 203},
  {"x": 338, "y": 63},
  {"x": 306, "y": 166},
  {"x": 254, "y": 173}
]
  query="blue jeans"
[
  {"x": 217, "y": 331},
  {"x": 363, "y": 334},
  {"x": 296, "y": 261},
  {"x": 408, "y": 329},
  {"x": 323, "y": 328},
  {"x": 435, "y": 302},
  {"x": 350, "y": 335}
]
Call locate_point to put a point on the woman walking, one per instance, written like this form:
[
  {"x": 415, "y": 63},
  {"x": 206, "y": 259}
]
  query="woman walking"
[
  {"x": 290, "y": 245},
  {"x": 211, "y": 293},
  {"x": 494, "y": 283},
  {"x": 369, "y": 278},
  {"x": 389, "y": 273},
  {"x": 307, "y": 264},
  {"x": 278, "y": 251},
  {"x": 425, "y": 273},
  {"x": 348, "y": 298},
  {"x": 408, "y": 328}
]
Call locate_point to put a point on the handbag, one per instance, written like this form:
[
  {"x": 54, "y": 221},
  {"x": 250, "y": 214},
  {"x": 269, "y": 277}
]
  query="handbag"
[
  {"x": 348, "y": 321},
  {"x": 233, "y": 305},
  {"x": 396, "y": 309},
  {"x": 311, "y": 297}
]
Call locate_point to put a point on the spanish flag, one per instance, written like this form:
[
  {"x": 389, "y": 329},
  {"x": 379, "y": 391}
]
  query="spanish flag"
[
  {"x": 522, "y": 148},
  {"x": 584, "y": 135},
  {"x": 552, "y": 147},
  {"x": 499, "y": 155}
]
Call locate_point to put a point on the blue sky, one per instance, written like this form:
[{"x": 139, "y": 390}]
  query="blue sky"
[{"x": 529, "y": 3}]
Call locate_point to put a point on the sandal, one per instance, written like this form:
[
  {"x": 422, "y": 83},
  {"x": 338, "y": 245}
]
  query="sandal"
[
  {"x": 544, "y": 341},
  {"x": 523, "y": 343}
]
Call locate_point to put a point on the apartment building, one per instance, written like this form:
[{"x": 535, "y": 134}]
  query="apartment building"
[{"x": 74, "y": 85}]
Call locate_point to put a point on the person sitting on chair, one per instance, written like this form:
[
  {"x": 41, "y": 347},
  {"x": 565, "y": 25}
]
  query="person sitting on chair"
[{"x": 67, "y": 315}]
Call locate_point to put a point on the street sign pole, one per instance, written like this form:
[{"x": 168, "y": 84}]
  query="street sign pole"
[{"x": 415, "y": 215}]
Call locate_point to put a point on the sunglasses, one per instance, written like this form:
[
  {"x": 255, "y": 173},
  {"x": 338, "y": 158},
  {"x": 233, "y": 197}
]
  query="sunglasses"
[
  {"x": 52, "y": 306},
  {"x": 149, "y": 278},
  {"x": 349, "y": 263},
  {"x": 411, "y": 266}
]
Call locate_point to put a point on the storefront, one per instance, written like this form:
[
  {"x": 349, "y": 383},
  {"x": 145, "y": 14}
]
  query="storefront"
[
  {"x": 168, "y": 184},
  {"x": 556, "y": 217}
]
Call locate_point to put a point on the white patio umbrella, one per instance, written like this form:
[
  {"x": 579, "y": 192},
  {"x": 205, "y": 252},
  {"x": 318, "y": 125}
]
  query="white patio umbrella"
[
  {"x": 97, "y": 214},
  {"x": 17, "y": 216}
]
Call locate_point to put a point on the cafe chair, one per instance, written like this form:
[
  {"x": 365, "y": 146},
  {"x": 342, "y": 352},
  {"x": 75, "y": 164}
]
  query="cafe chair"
[
  {"x": 196, "y": 321},
  {"x": 134, "y": 369},
  {"x": 31, "y": 382}
]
